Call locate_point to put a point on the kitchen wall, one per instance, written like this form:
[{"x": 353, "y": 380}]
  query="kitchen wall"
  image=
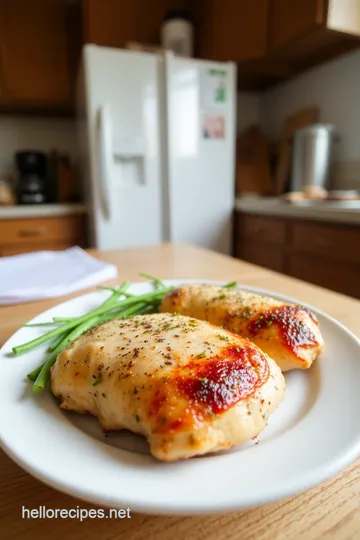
[
  {"x": 335, "y": 88},
  {"x": 27, "y": 133},
  {"x": 248, "y": 110}
]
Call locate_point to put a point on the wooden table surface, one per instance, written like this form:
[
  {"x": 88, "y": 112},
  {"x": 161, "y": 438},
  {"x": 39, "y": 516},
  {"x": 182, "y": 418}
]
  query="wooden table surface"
[{"x": 329, "y": 511}]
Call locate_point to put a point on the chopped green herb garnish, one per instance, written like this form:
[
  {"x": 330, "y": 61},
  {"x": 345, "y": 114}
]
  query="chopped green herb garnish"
[
  {"x": 97, "y": 381},
  {"x": 268, "y": 323},
  {"x": 230, "y": 285},
  {"x": 165, "y": 379},
  {"x": 201, "y": 355},
  {"x": 137, "y": 417},
  {"x": 222, "y": 296},
  {"x": 86, "y": 359},
  {"x": 224, "y": 338},
  {"x": 202, "y": 379},
  {"x": 192, "y": 324}
]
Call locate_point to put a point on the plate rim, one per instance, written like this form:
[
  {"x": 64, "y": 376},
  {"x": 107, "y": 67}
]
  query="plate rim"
[{"x": 317, "y": 475}]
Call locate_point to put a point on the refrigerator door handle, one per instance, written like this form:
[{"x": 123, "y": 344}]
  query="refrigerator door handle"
[{"x": 105, "y": 157}]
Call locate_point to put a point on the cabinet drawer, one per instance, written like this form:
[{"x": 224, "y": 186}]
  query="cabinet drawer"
[
  {"x": 339, "y": 242},
  {"x": 65, "y": 229},
  {"x": 343, "y": 278},
  {"x": 261, "y": 254},
  {"x": 7, "y": 251},
  {"x": 261, "y": 228}
]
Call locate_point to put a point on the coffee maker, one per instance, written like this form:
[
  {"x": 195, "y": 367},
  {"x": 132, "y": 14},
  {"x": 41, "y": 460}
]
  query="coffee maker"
[{"x": 32, "y": 173}]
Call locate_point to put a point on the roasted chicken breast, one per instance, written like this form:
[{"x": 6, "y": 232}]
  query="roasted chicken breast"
[
  {"x": 289, "y": 334},
  {"x": 186, "y": 385}
]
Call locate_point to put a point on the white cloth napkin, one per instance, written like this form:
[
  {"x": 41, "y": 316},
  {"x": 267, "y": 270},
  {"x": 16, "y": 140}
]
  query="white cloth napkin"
[{"x": 49, "y": 274}]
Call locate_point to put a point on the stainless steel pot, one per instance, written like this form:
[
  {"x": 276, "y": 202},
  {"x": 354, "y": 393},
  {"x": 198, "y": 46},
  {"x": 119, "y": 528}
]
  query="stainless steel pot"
[{"x": 311, "y": 159}]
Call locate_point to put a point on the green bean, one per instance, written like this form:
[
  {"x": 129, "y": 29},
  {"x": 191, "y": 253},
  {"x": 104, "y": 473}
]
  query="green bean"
[
  {"x": 158, "y": 283},
  {"x": 119, "y": 291},
  {"x": 34, "y": 374},
  {"x": 57, "y": 341},
  {"x": 230, "y": 285},
  {"x": 82, "y": 319},
  {"x": 148, "y": 308},
  {"x": 116, "y": 292},
  {"x": 44, "y": 373},
  {"x": 41, "y": 324},
  {"x": 43, "y": 376}
]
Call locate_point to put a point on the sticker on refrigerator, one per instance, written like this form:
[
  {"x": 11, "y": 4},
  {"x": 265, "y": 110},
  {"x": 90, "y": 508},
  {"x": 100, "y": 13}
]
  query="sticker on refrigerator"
[
  {"x": 214, "y": 126},
  {"x": 215, "y": 88}
]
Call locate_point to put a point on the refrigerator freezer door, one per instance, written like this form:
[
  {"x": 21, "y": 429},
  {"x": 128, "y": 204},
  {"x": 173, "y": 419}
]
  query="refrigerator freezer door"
[
  {"x": 105, "y": 158},
  {"x": 201, "y": 151},
  {"x": 126, "y": 158}
]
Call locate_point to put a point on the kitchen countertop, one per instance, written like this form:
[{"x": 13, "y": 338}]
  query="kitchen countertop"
[
  {"x": 41, "y": 210},
  {"x": 330, "y": 510},
  {"x": 273, "y": 206}
]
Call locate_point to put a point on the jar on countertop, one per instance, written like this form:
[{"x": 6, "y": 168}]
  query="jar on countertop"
[{"x": 177, "y": 33}]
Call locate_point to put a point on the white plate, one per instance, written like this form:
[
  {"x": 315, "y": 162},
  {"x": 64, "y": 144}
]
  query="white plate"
[{"x": 312, "y": 435}]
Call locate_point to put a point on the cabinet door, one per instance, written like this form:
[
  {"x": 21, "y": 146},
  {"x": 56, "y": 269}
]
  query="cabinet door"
[
  {"x": 290, "y": 20},
  {"x": 261, "y": 254},
  {"x": 343, "y": 278},
  {"x": 35, "y": 57},
  {"x": 241, "y": 29},
  {"x": 55, "y": 230},
  {"x": 203, "y": 14},
  {"x": 256, "y": 228},
  {"x": 232, "y": 30},
  {"x": 115, "y": 22},
  {"x": 333, "y": 241}
]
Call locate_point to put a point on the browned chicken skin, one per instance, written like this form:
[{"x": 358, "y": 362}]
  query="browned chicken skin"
[
  {"x": 186, "y": 385},
  {"x": 289, "y": 334}
]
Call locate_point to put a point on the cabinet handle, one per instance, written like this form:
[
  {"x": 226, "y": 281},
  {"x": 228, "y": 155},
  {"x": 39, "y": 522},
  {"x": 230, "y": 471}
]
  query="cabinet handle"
[{"x": 30, "y": 233}]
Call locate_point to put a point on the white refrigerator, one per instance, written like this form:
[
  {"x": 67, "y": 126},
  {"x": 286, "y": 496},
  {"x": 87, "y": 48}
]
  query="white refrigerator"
[{"x": 157, "y": 147}]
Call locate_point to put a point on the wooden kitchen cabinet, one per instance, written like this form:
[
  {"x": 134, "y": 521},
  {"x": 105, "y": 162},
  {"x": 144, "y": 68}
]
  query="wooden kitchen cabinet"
[
  {"x": 307, "y": 32},
  {"x": 333, "y": 241},
  {"x": 35, "y": 53},
  {"x": 341, "y": 277},
  {"x": 2, "y": 87},
  {"x": 113, "y": 23},
  {"x": 271, "y": 230},
  {"x": 231, "y": 30},
  {"x": 273, "y": 40},
  {"x": 261, "y": 254},
  {"x": 322, "y": 253},
  {"x": 36, "y": 234},
  {"x": 292, "y": 20}
]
